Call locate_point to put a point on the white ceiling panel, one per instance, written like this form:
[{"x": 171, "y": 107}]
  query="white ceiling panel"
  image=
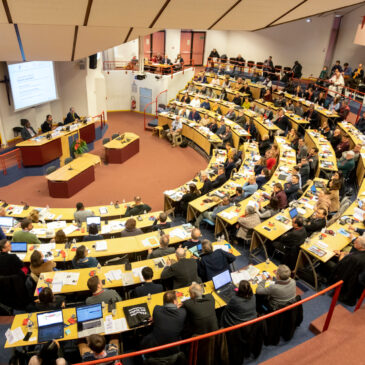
[
  {"x": 9, "y": 47},
  {"x": 140, "y": 32},
  {"x": 91, "y": 40},
  {"x": 255, "y": 14},
  {"x": 64, "y": 12},
  {"x": 312, "y": 7},
  {"x": 192, "y": 14},
  {"x": 124, "y": 13},
  {"x": 47, "y": 42}
]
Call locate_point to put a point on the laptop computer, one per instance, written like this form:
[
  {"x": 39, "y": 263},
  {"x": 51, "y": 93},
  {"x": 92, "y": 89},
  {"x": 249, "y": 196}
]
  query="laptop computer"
[
  {"x": 91, "y": 220},
  {"x": 50, "y": 326},
  {"x": 20, "y": 249},
  {"x": 293, "y": 213},
  {"x": 89, "y": 320},
  {"x": 196, "y": 250},
  {"x": 6, "y": 222},
  {"x": 223, "y": 285}
]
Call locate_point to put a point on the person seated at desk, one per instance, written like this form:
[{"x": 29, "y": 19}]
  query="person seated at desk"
[
  {"x": 335, "y": 104},
  {"x": 34, "y": 216},
  {"x": 175, "y": 131},
  {"x": 148, "y": 287},
  {"x": 207, "y": 183},
  {"x": 48, "y": 301},
  {"x": 231, "y": 115},
  {"x": 166, "y": 61},
  {"x": 185, "y": 98},
  {"x": 213, "y": 262},
  {"x": 213, "y": 125},
  {"x": 316, "y": 222},
  {"x": 267, "y": 95},
  {"x": 96, "y": 349},
  {"x": 226, "y": 137},
  {"x": 241, "y": 119},
  {"x": 99, "y": 294},
  {"x": 47, "y": 125},
  {"x": 211, "y": 215},
  {"x": 93, "y": 233},
  {"x": 238, "y": 196},
  {"x": 279, "y": 293},
  {"x": 191, "y": 87},
  {"x": 27, "y": 132},
  {"x": 48, "y": 354},
  {"x": 226, "y": 82},
  {"x": 194, "y": 115},
  {"x": 189, "y": 196},
  {"x": 130, "y": 228},
  {"x": 202, "y": 78},
  {"x": 216, "y": 109},
  {"x": 25, "y": 235},
  {"x": 349, "y": 267},
  {"x": 161, "y": 223},
  {"x": 304, "y": 171},
  {"x": 183, "y": 112},
  {"x": 168, "y": 325},
  {"x": 263, "y": 178},
  {"x": 298, "y": 109},
  {"x": 282, "y": 122},
  {"x": 215, "y": 81},
  {"x": 81, "y": 213},
  {"x": 194, "y": 240},
  {"x": 241, "y": 307},
  {"x": 291, "y": 188},
  {"x": 239, "y": 85},
  {"x": 344, "y": 165},
  {"x": 81, "y": 259},
  {"x": 71, "y": 116},
  {"x": 246, "y": 104},
  {"x": 237, "y": 100},
  {"x": 220, "y": 179},
  {"x": 312, "y": 117},
  {"x": 309, "y": 94},
  {"x": 10, "y": 264},
  {"x": 343, "y": 146},
  {"x": 270, "y": 159},
  {"x": 270, "y": 210},
  {"x": 201, "y": 316},
  {"x": 205, "y": 104},
  {"x": 195, "y": 102},
  {"x": 246, "y": 223},
  {"x": 39, "y": 265},
  {"x": 326, "y": 131},
  {"x": 312, "y": 158},
  {"x": 163, "y": 250},
  {"x": 280, "y": 101},
  {"x": 229, "y": 165},
  {"x": 320, "y": 99},
  {"x": 356, "y": 150},
  {"x": 205, "y": 120},
  {"x": 221, "y": 128},
  {"x": 138, "y": 208},
  {"x": 183, "y": 272},
  {"x": 60, "y": 237},
  {"x": 289, "y": 106},
  {"x": 249, "y": 187}
]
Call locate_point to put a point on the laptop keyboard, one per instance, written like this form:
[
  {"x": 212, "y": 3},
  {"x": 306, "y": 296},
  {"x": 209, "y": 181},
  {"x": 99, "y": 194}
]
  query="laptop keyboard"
[{"x": 93, "y": 324}]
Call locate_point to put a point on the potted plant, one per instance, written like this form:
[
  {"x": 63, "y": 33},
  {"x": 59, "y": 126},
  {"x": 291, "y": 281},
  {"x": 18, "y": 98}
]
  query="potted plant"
[{"x": 79, "y": 147}]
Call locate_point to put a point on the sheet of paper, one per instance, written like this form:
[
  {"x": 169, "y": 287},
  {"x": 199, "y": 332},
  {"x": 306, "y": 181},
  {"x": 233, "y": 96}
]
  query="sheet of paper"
[
  {"x": 359, "y": 214},
  {"x": 59, "y": 276},
  {"x": 137, "y": 272},
  {"x": 14, "y": 336},
  {"x": 127, "y": 278},
  {"x": 56, "y": 225},
  {"x": 101, "y": 246},
  {"x": 229, "y": 215},
  {"x": 253, "y": 271},
  {"x": 69, "y": 229},
  {"x": 57, "y": 286},
  {"x": 240, "y": 275},
  {"x": 17, "y": 210},
  {"x": 114, "y": 275},
  {"x": 150, "y": 242},
  {"x": 180, "y": 233},
  {"x": 222, "y": 247},
  {"x": 105, "y": 229},
  {"x": 71, "y": 278},
  {"x": 115, "y": 325}
]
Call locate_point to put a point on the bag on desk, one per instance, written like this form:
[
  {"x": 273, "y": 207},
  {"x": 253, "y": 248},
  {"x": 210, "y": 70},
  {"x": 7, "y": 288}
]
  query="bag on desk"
[{"x": 137, "y": 315}]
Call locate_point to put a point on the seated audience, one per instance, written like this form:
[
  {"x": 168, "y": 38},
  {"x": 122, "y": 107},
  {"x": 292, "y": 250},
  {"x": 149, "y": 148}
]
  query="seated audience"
[
  {"x": 220, "y": 179},
  {"x": 194, "y": 115},
  {"x": 10, "y": 264},
  {"x": 238, "y": 196},
  {"x": 229, "y": 165},
  {"x": 263, "y": 178},
  {"x": 336, "y": 138},
  {"x": 71, "y": 116},
  {"x": 211, "y": 215},
  {"x": 39, "y": 265},
  {"x": 47, "y": 125},
  {"x": 48, "y": 353},
  {"x": 175, "y": 131},
  {"x": 82, "y": 260},
  {"x": 200, "y": 308},
  {"x": 291, "y": 188},
  {"x": 148, "y": 287},
  {"x": 241, "y": 307},
  {"x": 360, "y": 124},
  {"x": 246, "y": 224},
  {"x": 280, "y": 194},
  {"x": 347, "y": 165},
  {"x": 264, "y": 145},
  {"x": 312, "y": 117},
  {"x": 281, "y": 292},
  {"x": 99, "y": 294},
  {"x": 137, "y": 208},
  {"x": 195, "y": 102},
  {"x": 207, "y": 183},
  {"x": 304, "y": 170},
  {"x": 27, "y": 132},
  {"x": 183, "y": 272},
  {"x": 161, "y": 222},
  {"x": 316, "y": 222},
  {"x": 302, "y": 149},
  {"x": 81, "y": 213},
  {"x": 270, "y": 210},
  {"x": 96, "y": 349},
  {"x": 249, "y": 187},
  {"x": 130, "y": 228},
  {"x": 60, "y": 237},
  {"x": 25, "y": 235},
  {"x": 194, "y": 240},
  {"x": 34, "y": 216},
  {"x": 213, "y": 262},
  {"x": 343, "y": 146},
  {"x": 48, "y": 301},
  {"x": 93, "y": 233},
  {"x": 163, "y": 250}
]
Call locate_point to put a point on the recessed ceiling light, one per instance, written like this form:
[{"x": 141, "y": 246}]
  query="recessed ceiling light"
[{"x": 308, "y": 20}]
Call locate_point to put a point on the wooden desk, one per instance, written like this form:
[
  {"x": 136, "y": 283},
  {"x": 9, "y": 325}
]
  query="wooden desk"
[
  {"x": 327, "y": 242},
  {"x": 39, "y": 150},
  {"x": 73, "y": 177},
  {"x": 119, "y": 150},
  {"x": 264, "y": 126},
  {"x": 156, "y": 299},
  {"x": 103, "y": 271}
]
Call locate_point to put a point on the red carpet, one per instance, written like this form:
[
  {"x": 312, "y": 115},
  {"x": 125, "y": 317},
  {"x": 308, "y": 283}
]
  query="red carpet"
[{"x": 156, "y": 168}]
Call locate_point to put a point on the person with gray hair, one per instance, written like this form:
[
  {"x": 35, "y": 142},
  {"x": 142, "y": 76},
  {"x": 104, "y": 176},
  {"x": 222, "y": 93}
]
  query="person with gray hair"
[
  {"x": 71, "y": 116},
  {"x": 246, "y": 224},
  {"x": 207, "y": 183},
  {"x": 211, "y": 215},
  {"x": 281, "y": 292},
  {"x": 201, "y": 317},
  {"x": 183, "y": 272},
  {"x": 163, "y": 250},
  {"x": 350, "y": 267}
]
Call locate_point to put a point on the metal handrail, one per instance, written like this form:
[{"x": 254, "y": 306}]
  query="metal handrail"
[
  {"x": 194, "y": 340},
  {"x": 156, "y": 113},
  {"x": 16, "y": 153}
]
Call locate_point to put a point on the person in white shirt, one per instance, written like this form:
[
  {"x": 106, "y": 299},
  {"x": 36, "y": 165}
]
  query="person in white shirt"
[
  {"x": 337, "y": 83},
  {"x": 183, "y": 113},
  {"x": 215, "y": 81},
  {"x": 175, "y": 131},
  {"x": 195, "y": 103}
]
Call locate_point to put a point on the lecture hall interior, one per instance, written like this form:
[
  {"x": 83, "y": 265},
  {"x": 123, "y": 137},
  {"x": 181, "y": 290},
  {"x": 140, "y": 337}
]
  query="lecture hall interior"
[{"x": 182, "y": 182}]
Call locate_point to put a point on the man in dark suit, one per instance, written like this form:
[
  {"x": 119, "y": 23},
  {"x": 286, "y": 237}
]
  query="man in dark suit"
[
  {"x": 10, "y": 264},
  {"x": 47, "y": 125},
  {"x": 183, "y": 272},
  {"x": 201, "y": 317},
  {"x": 168, "y": 324},
  {"x": 221, "y": 178},
  {"x": 282, "y": 122},
  {"x": 211, "y": 262},
  {"x": 138, "y": 208},
  {"x": 231, "y": 115},
  {"x": 166, "y": 61},
  {"x": 207, "y": 184},
  {"x": 27, "y": 132},
  {"x": 148, "y": 287},
  {"x": 163, "y": 250},
  {"x": 205, "y": 104},
  {"x": 316, "y": 222},
  {"x": 291, "y": 188},
  {"x": 312, "y": 117},
  {"x": 161, "y": 223},
  {"x": 360, "y": 124},
  {"x": 194, "y": 115},
  {"x": 71, "y": 116}
]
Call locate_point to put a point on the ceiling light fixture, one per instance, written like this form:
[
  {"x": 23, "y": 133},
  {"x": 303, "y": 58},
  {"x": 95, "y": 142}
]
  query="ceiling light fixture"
[{"x": 308, "y": 20}]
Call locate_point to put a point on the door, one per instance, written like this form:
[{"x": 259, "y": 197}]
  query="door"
[
  {"x": 145, "y": 97},
  {"x": 185, "y": 46},
  {"x": 158, "y": 43},
  {"x": 198, "y": 46}
]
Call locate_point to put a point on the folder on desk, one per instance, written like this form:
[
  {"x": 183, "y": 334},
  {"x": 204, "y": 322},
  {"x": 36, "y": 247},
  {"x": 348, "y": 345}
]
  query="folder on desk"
[{"x": 101, "y": 246}]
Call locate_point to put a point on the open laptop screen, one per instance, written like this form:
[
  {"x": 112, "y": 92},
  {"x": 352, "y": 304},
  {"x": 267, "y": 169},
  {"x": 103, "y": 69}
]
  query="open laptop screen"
[
  {"x": 90, "y": 220},
  {"x": 89, "y": 312},
  {"x": 48, "y": 318},
  {"x": 18, "y": 247},
  {"x": 6, "y": 222},
  {"x": 221, "y": 279},
  {"x": 293, "y": 213}
]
